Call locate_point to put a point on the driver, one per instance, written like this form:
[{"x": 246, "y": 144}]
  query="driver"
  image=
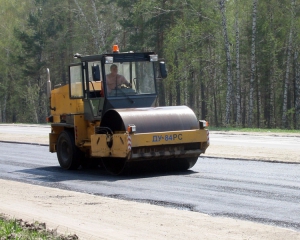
[{"x": 113, "y": 79}]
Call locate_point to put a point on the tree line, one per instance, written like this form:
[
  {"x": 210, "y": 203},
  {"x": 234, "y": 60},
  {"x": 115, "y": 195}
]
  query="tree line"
[{"x": 234, "y": 62}]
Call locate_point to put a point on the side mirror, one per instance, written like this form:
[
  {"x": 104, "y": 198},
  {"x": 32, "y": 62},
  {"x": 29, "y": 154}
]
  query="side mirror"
[
  {"x": 96, "y": 73},
  {"x": 163, "y": 70}
]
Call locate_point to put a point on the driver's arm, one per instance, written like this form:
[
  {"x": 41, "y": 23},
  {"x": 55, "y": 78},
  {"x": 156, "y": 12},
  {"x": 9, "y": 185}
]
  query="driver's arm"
[{"x": 125, "y": 81}]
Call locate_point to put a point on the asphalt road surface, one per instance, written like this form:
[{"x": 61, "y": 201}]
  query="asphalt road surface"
[{"x": 250, "y": 190}]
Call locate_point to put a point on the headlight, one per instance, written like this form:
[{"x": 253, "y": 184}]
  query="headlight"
[
  {"x": 153, "y": 58},
  {"x": 109, "y": 59},
  {"x": 203, "y": 124},
  {"x": 131, "y": 128}
]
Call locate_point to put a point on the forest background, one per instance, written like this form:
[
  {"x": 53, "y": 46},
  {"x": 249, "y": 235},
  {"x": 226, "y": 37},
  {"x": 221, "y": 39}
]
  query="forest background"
[{"x": 234, "y": 62}]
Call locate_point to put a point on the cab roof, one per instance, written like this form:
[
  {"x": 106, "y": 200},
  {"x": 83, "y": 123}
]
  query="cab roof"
[{"x": 120, "y": 57}]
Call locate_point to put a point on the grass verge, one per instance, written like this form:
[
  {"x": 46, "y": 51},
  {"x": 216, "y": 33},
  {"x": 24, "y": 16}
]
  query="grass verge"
[{"x": 19, "y": 229}]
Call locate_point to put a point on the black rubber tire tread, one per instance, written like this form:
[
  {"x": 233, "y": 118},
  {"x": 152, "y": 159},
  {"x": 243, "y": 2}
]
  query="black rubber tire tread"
[
  {"x": 68, "y": 153},
  {"x": 181, "y": 164}
]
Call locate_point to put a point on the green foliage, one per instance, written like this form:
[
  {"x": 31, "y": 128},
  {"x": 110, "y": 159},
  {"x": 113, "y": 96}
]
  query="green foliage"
[
  {"x": 41, "y": 34},
  {"x": 40, "y": 28}
]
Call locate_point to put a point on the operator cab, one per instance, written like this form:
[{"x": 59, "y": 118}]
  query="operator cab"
[{"x": 133, "y": 86}]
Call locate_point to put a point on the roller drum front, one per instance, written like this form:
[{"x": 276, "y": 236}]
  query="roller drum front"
[{"x": 146, "y": 120}]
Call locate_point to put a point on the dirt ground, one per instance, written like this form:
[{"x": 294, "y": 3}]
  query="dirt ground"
[{"x": 95, "y": 217}]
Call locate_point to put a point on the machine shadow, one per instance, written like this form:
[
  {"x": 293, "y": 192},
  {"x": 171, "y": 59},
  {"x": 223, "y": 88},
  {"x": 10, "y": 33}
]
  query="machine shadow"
[{"x": 55, "y": 174}]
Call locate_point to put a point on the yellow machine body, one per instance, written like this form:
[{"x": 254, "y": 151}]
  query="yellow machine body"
[
  {"x": 85, "y": 124},
  {"x": 149, "y": 145}
]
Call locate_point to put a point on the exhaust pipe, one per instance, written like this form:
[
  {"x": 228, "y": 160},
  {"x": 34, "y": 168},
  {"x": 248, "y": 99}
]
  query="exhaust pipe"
[{"x": 48, "y": 84}]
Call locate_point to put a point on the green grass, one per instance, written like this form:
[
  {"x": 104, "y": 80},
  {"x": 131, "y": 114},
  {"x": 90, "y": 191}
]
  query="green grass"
[
  {"x": 20, "y": 230},
  {"x": 260, "y": 130},
  {"x": 11, "y": 229}
]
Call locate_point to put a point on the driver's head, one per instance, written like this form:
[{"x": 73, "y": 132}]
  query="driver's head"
[{"x": 114, "y": 68}]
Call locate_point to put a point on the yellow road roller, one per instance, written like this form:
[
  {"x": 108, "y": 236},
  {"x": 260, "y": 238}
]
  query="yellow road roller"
[{"x": 108, "y": 113}]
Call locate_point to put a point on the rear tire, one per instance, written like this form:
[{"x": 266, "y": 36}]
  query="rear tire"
[{"x": 68, "y": 153}]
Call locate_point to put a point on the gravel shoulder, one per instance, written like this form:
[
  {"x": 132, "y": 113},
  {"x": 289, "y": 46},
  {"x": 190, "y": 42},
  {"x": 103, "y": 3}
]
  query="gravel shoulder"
[
  {"x": 95, "y": 217},
  {"x": 261, "y": 147}
]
